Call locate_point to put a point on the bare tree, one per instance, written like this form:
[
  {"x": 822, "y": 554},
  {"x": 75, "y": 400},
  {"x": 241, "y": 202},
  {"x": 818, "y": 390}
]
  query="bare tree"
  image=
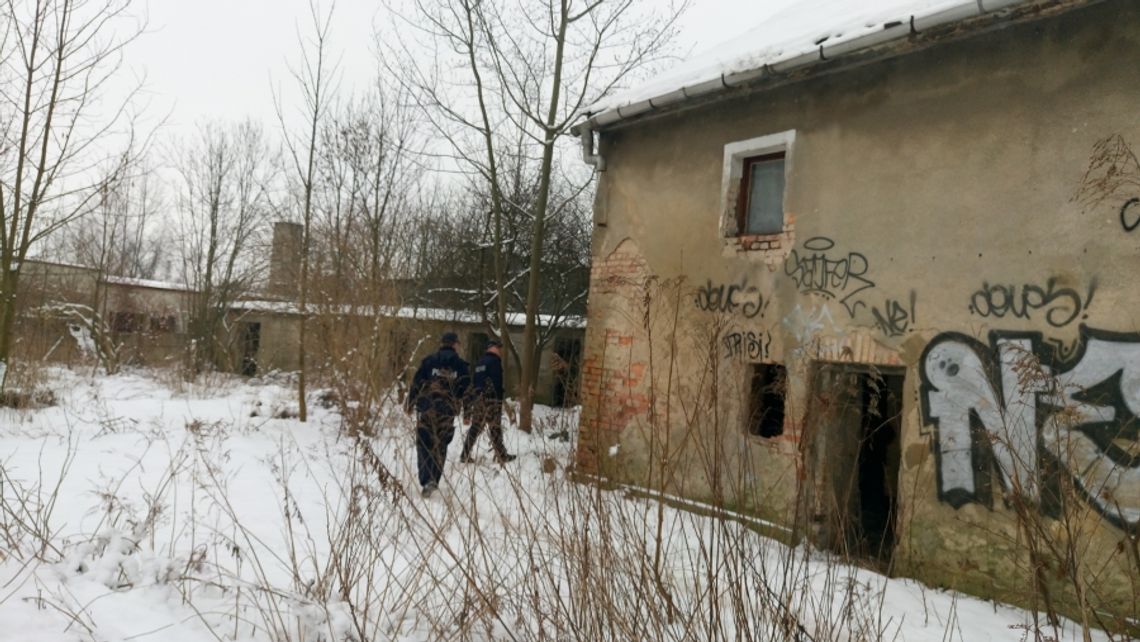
[
  {"x": 471, "y": 133},
  {"x": 312, "y": 78},
  {"x": 367, "y": 192},
  {"x": 367, "y": 177},
  {"x": 227, "y": 177},
  {"x": 123, "y": 233},
  {"x": 56, "y": 60},
  {"x": 529, "y": 69},
  {"x": 456, "y": 269}
]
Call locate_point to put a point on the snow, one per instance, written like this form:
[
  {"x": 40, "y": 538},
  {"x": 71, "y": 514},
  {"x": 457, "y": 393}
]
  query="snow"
[
  {"x": 194, "y": 512},
  {"x": 148, "y": 283},
  {"x": 794, "y": 29},
  {"x": 517, "y": 319}
]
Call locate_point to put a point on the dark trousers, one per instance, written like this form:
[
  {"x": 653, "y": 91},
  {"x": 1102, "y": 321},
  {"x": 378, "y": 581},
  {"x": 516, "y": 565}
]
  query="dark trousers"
[
  {"x": 433, "y": 435},
  {"x": 486, "y": 414}
]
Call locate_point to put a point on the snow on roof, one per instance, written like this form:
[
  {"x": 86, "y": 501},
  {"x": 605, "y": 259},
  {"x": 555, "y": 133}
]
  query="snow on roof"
[
  {"x": 426, "y": 314},
  {"x": 148, "y": 283},
  {"x": 798, "y": 33}
]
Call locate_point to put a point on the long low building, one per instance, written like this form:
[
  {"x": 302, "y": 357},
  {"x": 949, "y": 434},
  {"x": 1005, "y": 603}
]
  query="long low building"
[{"x": 77, "y": 314}]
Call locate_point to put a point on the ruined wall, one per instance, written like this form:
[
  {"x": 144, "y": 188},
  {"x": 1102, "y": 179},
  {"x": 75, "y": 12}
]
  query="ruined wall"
[
  {"x": 968, "y": 213},
  {"x": 63, "y": 307},
  {"x": 148, "y": 324}
]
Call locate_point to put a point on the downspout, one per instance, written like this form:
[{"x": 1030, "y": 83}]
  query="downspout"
[{"x": 591, "y": 158}]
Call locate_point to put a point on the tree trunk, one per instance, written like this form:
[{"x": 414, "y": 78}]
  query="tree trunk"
[
  {"x": 8, "y": 283},
  {"x": 508, "y": 348},
  {"x": 530, "y": 333}
]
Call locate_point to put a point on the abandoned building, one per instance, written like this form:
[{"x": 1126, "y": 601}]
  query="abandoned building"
[
  {"x": 76, "y": 314},
  {"x": 872, "y": 277}
]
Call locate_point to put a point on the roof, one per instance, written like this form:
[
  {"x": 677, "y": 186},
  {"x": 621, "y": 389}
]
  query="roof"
[
  {"x": 148, "y": 283},
  {"x": 516, "y": 319},
  {"x": 113, "y": 279},
  {"x": 799, "y": 34}
]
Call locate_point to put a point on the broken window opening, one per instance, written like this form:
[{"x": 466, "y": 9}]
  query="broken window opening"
[{"x": 766, "y": 400}]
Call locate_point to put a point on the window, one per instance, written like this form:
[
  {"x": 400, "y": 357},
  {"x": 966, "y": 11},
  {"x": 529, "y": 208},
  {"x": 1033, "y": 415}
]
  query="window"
[
  {"x": 127, "y": 322},
  {"x": 766, "y": 400},
  {"x": 760, "y": 202},
  {"x": 754, "y": 181},
  {"x": 163, "y": 323}
]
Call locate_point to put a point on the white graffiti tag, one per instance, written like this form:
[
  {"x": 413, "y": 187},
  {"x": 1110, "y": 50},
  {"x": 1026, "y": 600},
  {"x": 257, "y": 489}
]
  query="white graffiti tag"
[
  {"x": 1007, "y": 400},
  {"x": 807, "y": 327}
]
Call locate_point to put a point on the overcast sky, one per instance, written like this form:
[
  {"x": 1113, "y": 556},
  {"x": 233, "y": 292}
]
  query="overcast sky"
[{"x": 217, "y": 58}]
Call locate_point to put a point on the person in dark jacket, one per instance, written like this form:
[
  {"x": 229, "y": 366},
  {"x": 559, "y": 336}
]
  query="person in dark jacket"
[
  {"x": 487, "y": 405},
  {"x": 439, "y": 392}
]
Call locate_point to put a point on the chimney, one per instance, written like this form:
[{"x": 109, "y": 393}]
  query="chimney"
[{"x": 285, "y": 260}]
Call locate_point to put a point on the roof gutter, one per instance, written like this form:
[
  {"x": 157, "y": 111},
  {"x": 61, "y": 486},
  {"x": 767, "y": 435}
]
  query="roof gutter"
[{"x": 891, "y": 32}]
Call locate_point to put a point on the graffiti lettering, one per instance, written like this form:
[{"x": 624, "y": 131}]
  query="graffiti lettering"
[
  {"x": 740, "y": 297},
  {"x": 894, "y": 319},
  {"x": 1130, "y": 221},
  {"x": 1061, "y": 306},
  {"x": 1016, "y": 404},
  {"x": 833, "y": 277},
  {"x": 753, "y": 346}
]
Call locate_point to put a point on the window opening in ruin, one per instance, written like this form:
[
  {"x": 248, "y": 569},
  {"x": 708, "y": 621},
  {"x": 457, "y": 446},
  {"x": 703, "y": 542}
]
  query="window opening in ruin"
[
  {"x": 858, "y": 455},
  {"x": 127, "y": 322},
  {"x": 760, "y": 204},
  {"x": 163, "y": 323},
  {"x": 766, "y": 400}
]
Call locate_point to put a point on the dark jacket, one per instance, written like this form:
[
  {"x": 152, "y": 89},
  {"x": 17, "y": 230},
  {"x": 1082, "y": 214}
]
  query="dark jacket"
[
  {"x": 442, "y": 383},
  {"x": 489, "y": 378}
]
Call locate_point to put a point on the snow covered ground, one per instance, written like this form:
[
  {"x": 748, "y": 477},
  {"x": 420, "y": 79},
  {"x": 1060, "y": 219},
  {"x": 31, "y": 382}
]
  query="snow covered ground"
[{"x": 143, "y": 509}]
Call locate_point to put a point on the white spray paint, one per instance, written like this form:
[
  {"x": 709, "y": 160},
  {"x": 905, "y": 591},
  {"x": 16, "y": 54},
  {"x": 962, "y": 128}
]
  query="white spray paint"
[{"x": 957, "y": 384}]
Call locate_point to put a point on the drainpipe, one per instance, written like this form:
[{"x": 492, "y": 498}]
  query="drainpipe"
[{"x": 586, "y": 135}]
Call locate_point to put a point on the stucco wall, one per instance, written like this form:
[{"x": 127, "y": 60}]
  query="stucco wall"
[{"x": 985, "y": 185}]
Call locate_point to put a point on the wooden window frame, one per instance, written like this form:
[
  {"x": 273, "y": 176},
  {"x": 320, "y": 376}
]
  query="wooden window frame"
[{"x": 744, "y": 198}]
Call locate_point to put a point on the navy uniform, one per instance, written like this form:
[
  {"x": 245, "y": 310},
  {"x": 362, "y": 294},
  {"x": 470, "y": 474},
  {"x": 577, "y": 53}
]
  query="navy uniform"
[
  {"x": 438, "y": 393},
  {"x": 487, "y": 405}
]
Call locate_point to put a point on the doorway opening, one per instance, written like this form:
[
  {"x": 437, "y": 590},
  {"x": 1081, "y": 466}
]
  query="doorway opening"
[
  {"x": 566, "y": 371},
  {"x": 250, "y": 344},
  {"x": 476, "y": 346},
  {"x": 859, "y": 455}
]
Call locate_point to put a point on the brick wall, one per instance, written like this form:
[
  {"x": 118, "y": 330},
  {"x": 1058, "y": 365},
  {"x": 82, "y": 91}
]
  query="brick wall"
[{"x": 613, "y": 389}]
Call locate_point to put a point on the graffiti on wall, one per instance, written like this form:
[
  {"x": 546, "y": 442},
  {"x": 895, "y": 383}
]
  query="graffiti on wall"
[
  {"x": 822, "y": 271},
  {"x": 895, "y": 317},
  {"x": 1059, "y": 306},
  {"x": 1013, "y": 410},
  {"x": 732, "y": 298},
  {"x": 808, "y": 326},
  {"x": 747, "y": 345},
  {"x": 1112, "y": 180},
  {"x": 1130, "y": 214}
]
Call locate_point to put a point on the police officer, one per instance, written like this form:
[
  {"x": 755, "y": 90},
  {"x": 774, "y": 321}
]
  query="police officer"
[
  {"x": 438, "y": 393},
  {"x": 487, "y": 404}
]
